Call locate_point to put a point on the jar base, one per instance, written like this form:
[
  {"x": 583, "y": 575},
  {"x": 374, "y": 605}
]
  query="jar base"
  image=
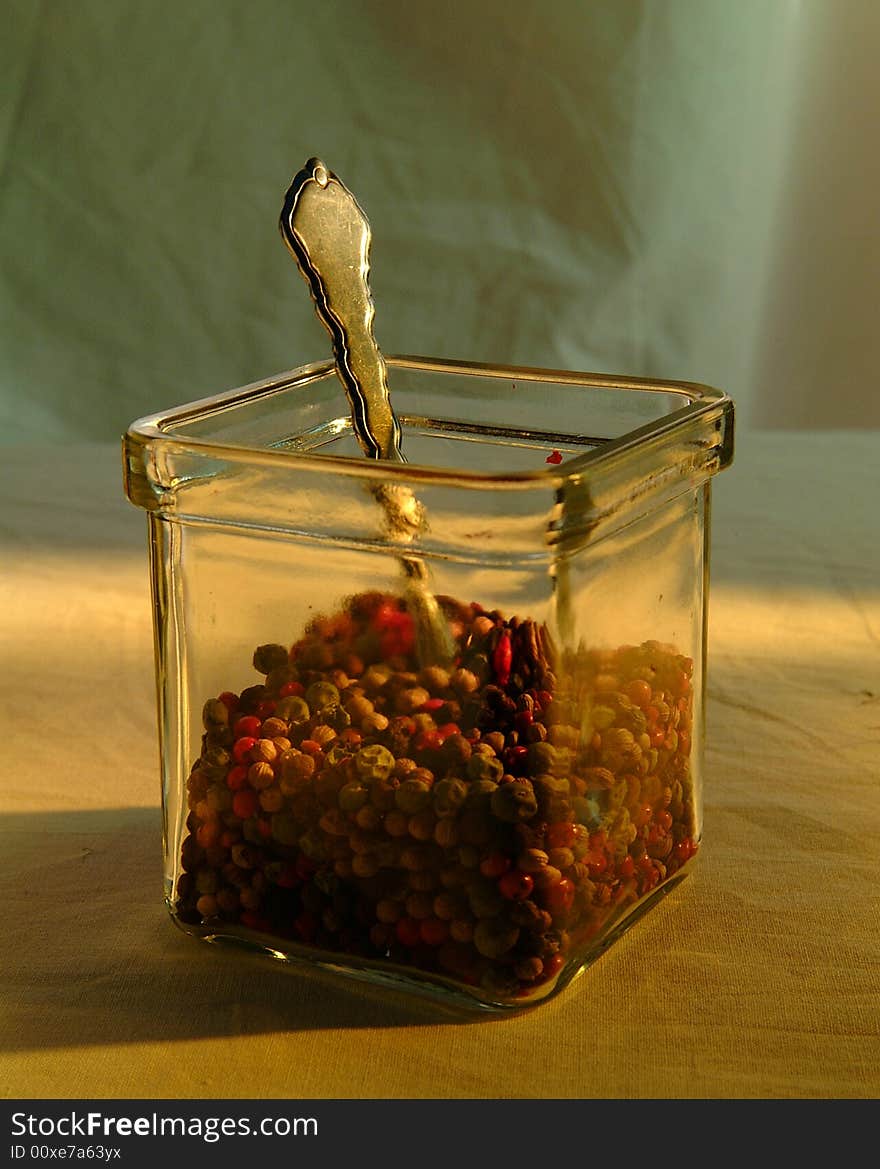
[{"x": 472, "y": 1003}]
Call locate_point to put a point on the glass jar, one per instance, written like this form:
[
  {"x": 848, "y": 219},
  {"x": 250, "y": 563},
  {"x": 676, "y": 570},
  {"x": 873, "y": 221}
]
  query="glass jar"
[{"x": 481, "y": 827}]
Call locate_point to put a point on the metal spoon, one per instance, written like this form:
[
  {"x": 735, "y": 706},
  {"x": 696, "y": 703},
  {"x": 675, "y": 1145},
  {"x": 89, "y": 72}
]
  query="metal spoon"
[{"x": 329, "y": 237}]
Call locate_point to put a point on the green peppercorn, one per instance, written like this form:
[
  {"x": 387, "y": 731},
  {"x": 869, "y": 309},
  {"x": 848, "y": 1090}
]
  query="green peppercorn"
[
  {"x": 270, "y": 657},
  {"x": 321, "y": 695},
  {"x": 480, "y": 793},
  {"x": 353, "y": 796},
  {"x": 374, "y": 762},
  {"x": 515, "y": 801},
  {"x": 494, "y": 937},
  {"x": 586, "y": 811},
  {"x": 337, "y": 754},
  {"x": 484, "y": 897},
  {"x": 481, "y": 767},
  {"x": 553, "y": 794},
  {"x": 448, "y": 796},
  {"x": 293, "y": 710},
  {"x": 413, "y": 795},
  {"x": 215, "y": 715},
  {"x": 285, "y": 829},
  {"x": 541, "y": 758}
]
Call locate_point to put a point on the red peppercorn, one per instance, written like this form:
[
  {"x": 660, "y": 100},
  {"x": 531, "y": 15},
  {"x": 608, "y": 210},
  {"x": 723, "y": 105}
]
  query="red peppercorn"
[
  {"x": 264, "y": 827},
  {"x": 626, "y": 868},
  {"x": 429, "y": 741},
  {"x": 639, "y": 692},
  {"x": 516, "y": 885},
  {"x": 237, "y": 778},
  {"x": 515, "y": 758},
  {"x": 266, "y": 709},
  {"x": 552, "y": 966},
  {"x": 434, "y": 931},
  {"x": 242, "y": 748},
  {"x": 247, "y": 727},
  {"x": 385, "y": 615},
  {"x": 559, "y": 898},
  {"x": 229, "y": 700},
  {"x": 562, "y": 834},
  {"x": 685, "y": 849},
  {"x": 208, "y": 833},
  {"x": 502, "y": 659},
  {"x": 295, "y": 689},
  {"x": 555, "y": 458},
  {"x": 448, "y": 730},
  {"x": 408, "y": 931},
  {"x": 663, "y": 820},
  {"x": 523, "y": 720},
  {"x": 597, "y": 863},
  {"x": 310, "y": 747},
  {"x": 432, "y": 704},
  {"x": 245, "y": 803}
]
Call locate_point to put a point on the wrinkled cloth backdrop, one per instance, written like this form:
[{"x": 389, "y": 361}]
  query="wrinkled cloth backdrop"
[{"x": 671, "y": 188}]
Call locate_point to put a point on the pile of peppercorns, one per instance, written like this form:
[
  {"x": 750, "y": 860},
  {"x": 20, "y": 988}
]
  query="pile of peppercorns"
[{"x": 485, "y": 824}]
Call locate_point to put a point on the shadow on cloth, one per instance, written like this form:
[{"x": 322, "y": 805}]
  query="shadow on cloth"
[{"x": 91, "y": 956}]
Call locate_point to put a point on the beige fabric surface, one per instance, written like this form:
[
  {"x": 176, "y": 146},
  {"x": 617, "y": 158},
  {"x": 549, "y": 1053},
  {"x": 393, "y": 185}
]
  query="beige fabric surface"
[{"x": 758, "y": 977}]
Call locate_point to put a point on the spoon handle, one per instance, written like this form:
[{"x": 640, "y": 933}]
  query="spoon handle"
[{"x": 329, "y": 237}]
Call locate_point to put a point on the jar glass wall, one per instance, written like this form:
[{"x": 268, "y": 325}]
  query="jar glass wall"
[{"x": 478, "y": 827}]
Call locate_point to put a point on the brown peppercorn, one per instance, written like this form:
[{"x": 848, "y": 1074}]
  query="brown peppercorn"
[
  {"x": 296, "y": 769},
  {"x": 547, "y": 877},
  {"x": 272, "y": 799},
  {"x": 364, "y": 865},
  {"x": 264, "y": 751},
  {"x": 358, "y": 707},
  {"x": 446, "y": 832},
  {"x": 435, "y": 678},
  {"x": 532, "y": 860},
  {"x": 396, "y": 823},
  {"x": 421, "y": 825},
  {"x": 260, "y": 775},
  {"x": 528, "y": 969},
  {"x": 464, "y": 681},
  {"x": 273, "y": 728},
  {"x": 411, "y": 700},
  {"x": 461, "y": 929},
  {"x": 368, "y": 818}
]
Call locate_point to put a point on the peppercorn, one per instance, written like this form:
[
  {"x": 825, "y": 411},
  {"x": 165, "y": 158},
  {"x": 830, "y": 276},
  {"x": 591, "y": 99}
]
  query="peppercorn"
[
  {"x": 485, "y": 767},
  {"x": 270, "y": 657},
  {"x": 514, "y": 801},
  {"x": 292, "y": 709},
  {"x": 413, "y": 795},
  {"x": 448, "y": 795},
  {"x": 215, "y": 714},
  {"x": 494, "y": 937},
  {"x": 374, "y": 762}
]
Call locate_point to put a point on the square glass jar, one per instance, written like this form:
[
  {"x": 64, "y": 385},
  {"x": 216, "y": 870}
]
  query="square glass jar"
[{"x": 478, "y": 828}]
